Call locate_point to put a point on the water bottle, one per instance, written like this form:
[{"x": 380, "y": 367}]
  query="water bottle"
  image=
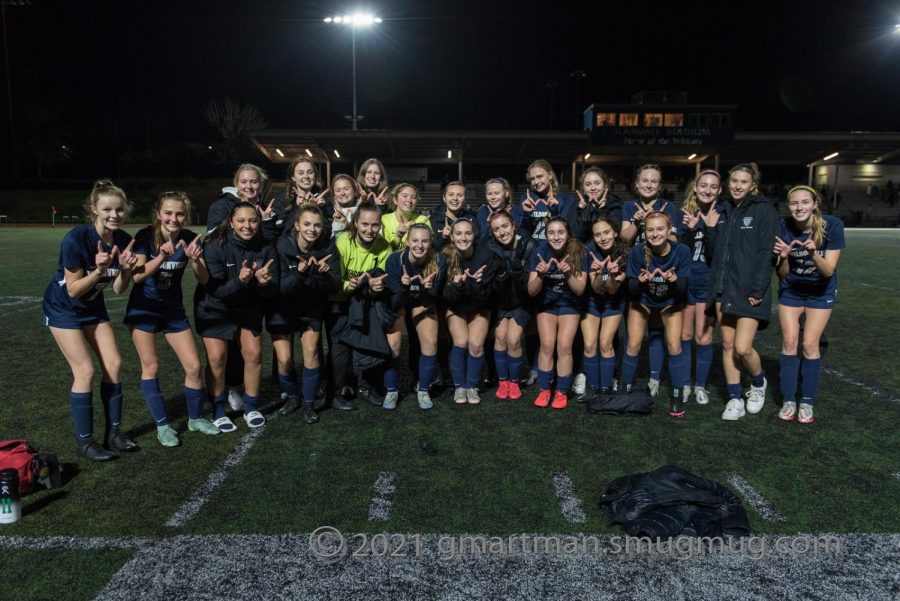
[{"x": 10, "y": 500}]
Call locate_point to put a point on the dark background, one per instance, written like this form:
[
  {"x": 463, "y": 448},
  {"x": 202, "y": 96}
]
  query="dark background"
[{"x": 122, "y": 85}]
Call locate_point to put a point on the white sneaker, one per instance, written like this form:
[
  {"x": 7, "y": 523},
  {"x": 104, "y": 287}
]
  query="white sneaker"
[
  {"x": 459, "y": 396},
  {"x": 424, "y": 399},
  {"x": 701, "y": 396},
  {"x": 579, "y": 384},
  {"x": 734, "y": 410},
  {"x": 685, "y": 393},
  {"x": 472, "y": 396},
  {"x": 756, "y": 398},
  {"x": 235, "y": 400},
  {"x": 653, "y": 387},
  {"x": 805, "y": 414},
  {"x": 390, "y": 400}
]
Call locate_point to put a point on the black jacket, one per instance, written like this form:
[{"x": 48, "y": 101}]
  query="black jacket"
[
  {"x": 439, "y": 216},
  {"x": 671, "y": 501},
  {"x": 221, "y": 209},
  {"x": 513, "y": 293},
  {"x": 304, "y": 294},
  {"x": 742, "y": 262},
  {"x": 470, "y": 295},
  {"x": 583, "y": 218}
]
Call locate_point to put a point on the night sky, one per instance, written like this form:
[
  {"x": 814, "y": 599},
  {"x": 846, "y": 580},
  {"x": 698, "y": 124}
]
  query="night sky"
[{"x": 89, "y": 72}]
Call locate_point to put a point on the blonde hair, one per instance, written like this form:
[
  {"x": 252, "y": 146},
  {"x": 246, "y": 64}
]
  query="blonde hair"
[
  {"x": 507, "y": 206},
  {"x": 816, "y": 221},
  {"x": 353, "y": 185},
  {"x": 103, "y": 187},
  {"x": 543, "y": 164},
  {"x": 361, "y": 177},
  {"x": 431, "y": 262},
  {"x": 392, "y": 202},
  {"x": 752, "y": 169},
  {"x": 691, "y": 205},
  {"x": 177, "y": 196},
  {"x": 451, "y": 252},
  {"x": 648, "y": 254},
  {"x": 260, "y": 173}
]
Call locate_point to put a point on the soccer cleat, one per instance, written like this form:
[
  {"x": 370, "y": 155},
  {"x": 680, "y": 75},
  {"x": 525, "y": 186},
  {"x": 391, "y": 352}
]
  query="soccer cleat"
[
  {"x": 118, "y": 441},
  {"x": 390, "y": 400},
  {"x": 515, "y": 393},
  {"x": 472, "y": 396},
  {"x": 676, "y": 406},
  {"x": 503, "y": 390},
  {"x": 700, "y": 395},
  {"x": 235, "y": 400},
  {"x": 805, "y": 415},
  {"x": 93, "y": 451},
  {"x": 788, "y": 411},
  {"x": 686, "y": 393},
  {"x": 424, "y": 399},
  {"x": 167, "y": 436},
  {"x": 254, "y": 419},
  {"x": 459, "y": 396},
  {"x": 224, "y": 424},
  {"x": 543, "y": 399},
  {"x": 308, "y": 412},
  {"x": 734, "y": 410},
  {"x": 371, "y": 396},
  {"x": 756, "y": 397},
  {"x": 342, "y": 404},
  {"x": 291, "y": 404},
  {"x": 653, "y": 387},
  {"x": 579, "y": 383},
  {"x": 560, "y": 400},
  {"x": 203, "y": 426}
]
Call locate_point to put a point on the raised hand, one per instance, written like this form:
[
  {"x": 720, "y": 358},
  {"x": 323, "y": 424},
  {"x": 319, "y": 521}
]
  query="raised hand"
[
  {"x": 782, "y": 249},
  {"x": 381, "y": 199},
  {"x": 670, "y": 275},
  {"x": 446, "y": 231},
  {"x": 551, "y": 199},
  {"x": 690, "y": 220},
  {"x": 322, "y": 263},
  {"x": 263, "y": 275},
  {"x": 581, "y": 201},
  {"x": 319, "y": 198},
  {"x": 404, "y": 279},
  {"x": 613, "y": 267},
  {"x": 402, "y": 224},
  {"x": 377, "y": 284},
  {"x": 602, "y": 202},
  {"x": 193, "y": 250},
  {"x": 528, "y": 204},
  {"x": 478, "y": 274},
  {"x": 809, "y": 245},
  {"x": 542, "y": 266},
  {"x": 428, "y": 282},
  {"x": 339, "y": 216},
  {"x": 127, "y": 258},
  {"x": 269, "y": 211},
  {"x": 246, "y": 272},
  {"x": 597, "y": 264},
  {"x": 302, "y": 264},
  {"x": 167, "y": 249},
  {"x": 102, "y": 259},
  {"x": 711, "y": 218},
  {"x": 564, "y": 266},
  {"x": 645, "y": 276}
]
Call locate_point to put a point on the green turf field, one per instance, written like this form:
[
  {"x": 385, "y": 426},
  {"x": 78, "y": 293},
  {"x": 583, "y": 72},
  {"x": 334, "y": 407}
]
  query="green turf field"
[{"x": 494, "y": 462}]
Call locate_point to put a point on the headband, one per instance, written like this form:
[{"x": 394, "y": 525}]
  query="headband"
[
  {"x": 815, "y": 194},
  {"x": 709, "y": 172}
]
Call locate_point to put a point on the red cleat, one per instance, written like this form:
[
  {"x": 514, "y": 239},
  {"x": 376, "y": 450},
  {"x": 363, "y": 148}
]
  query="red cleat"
[
  {"x": 515, "y": 393},
  {"x": 503, "y": 390},
  {"x": 543, "y": 399},
  {"x": 560, "y": 400}
]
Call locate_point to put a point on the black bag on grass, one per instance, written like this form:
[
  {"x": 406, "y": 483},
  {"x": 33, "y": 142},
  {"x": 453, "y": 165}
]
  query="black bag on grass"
[{"x": 636, "y": 402}]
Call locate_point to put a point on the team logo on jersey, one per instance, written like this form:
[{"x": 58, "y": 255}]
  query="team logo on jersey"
[{"x": 747, "y": 221}]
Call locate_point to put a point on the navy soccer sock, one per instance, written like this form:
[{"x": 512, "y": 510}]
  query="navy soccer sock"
[
  {"x": 392, "y": 375},
  {"x": 607, "y": 372},
  {"x": 657, "y": 352},
  {"x": 249, "y": 403},
  {"x": 563, "y": 383},
  {"x": 474, "y": 366},
  {"x": 629, "y": 369},
  {"x": 458, "y": 365},
  {"x": 82, "y": 415},
  {"x": 288, "y": 383},
  {"x": 515, "y": 367},
  {"x": 111, "y": 394},
  {"x": 155, "y": 402},
  {"x": 427, "y": 363},
  {"x": 194, "y": 398},
  {"x": 810, "y": 370},
  {"x": 501, "y": 362},
  {"x": 219, "y": 405},
  {"x": 310, "y": 384},
  {"x": 592, "y": 371},
  {"x": 704, "y": 362},
  {"x": 790, "y": 369},
  {"x": 757, "y": 380},
  {"x": 545, "y": 378}
]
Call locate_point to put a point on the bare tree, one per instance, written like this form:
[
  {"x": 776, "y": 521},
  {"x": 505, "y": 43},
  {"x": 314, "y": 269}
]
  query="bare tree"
[{"x": 234, "y": 121}]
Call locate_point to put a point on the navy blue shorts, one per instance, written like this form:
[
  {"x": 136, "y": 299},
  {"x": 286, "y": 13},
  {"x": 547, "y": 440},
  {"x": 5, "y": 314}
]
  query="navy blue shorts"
[
  {"x": 75, "y": 322},
  {"x": 606, "y": 308},
  {"x": 521, "y": 316},
  {"x": 696, "y": 296},
  {"x": 156, "y": 322},
  {"x": 560, "y": 309},
  {"x": 789, "y": 298}
]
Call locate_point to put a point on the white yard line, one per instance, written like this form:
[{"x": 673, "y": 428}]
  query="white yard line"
[
  {"x": 765, "y": 509},
  {"x": 382, "y": 497},
  {"x": 569, "y": 503}
]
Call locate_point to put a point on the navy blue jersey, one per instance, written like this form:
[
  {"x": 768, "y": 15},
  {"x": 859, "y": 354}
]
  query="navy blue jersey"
[
  {"x": 536, "y": 220},
  {"x": 484, "y": 226},
  {"x": 660, "y": 206},
  {"x": 698, "y": 241},
  {"x": 604, "y": 300},
  {"x": 555, "y": 290},
  {"x": 658, "y": 292},
  {"x": 78, "y": 251},
  {"x": 161, "y": 292},
  {"x": 803, "y": 276},
  {"x": 414, "y": 295}
]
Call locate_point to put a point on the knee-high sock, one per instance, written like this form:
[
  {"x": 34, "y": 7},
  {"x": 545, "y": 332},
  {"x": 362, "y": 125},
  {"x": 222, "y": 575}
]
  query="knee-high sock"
[
  {"x": 194, "y": 399},
  {"x": 677, "y": 367},
  {"x": 310, "y": 384},
  {"x": 704, "y": 362},
  {"x": 392, "y": 374},
  {"x": 592, "y": 371},
  {"x": 427, "y": 363},
  {"x": 564, "y": 383},
  {"x": 629, "y": 369},
  {"x": 153, "y": 396},
  {"x": 545, "y": 378},
  {"x": 607, "y": 372},
  {"x": 474, "y": 366},
  {"x": 657, "y": 351},
  {"x": 790, "y": 369},
  {"x": 810, "y": 370},
  {"x": 288, "y": 384},
  {"x": 111, "y": 394},
  {"x": 458, "y": 365},
  {"x": 686, "y": 360},
  {"x": 501, "y": 361},
  {"x": 82, "y": 415},
  {"x": 515, "y": 367}
]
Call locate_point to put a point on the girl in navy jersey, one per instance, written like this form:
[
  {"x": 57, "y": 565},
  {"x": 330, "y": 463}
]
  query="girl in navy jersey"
[
  {"x": 415, "y": 277},
  {"x": 453, "y": 208},
  {"x": 808, "y": 247},
  {"x": 544, "y": 200},
  {"x": 557, "y": 279},
  {"x": 657, "y": 270},
  {"x": 91, "y": 257},
  {"x": 700, "y": 215},
  {"x": 740, "y": 284},
  {"x": 473, "y": 276},
  {"x": 229, "y": 306},
  {"x": 299, "y": 189},
  {"x": 373, "y": 183},
  {"x": 309, "y": 272},
  {"x": 497, "y": 199},
  {"x": 606, "y": 301},
  {"x": 156, "y": 304},
  {"x": 512, "y": 302}
]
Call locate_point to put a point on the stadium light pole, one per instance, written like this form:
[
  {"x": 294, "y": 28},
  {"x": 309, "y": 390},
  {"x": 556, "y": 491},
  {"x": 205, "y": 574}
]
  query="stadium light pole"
[{"x": 354, "y": 21}]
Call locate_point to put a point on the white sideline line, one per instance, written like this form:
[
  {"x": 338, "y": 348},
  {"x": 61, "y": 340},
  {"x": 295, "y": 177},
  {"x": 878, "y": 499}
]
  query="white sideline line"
[
  {"x": 193, "y": 505},
  {"x": 570, "y": 504},
  {"x": 382, "y": 499},
  {"x": 864, "y": 285},
  {"x": 75, "y": 543},
  {"x": 756, "y": 500},
  {"x": 842, "y": 376}
]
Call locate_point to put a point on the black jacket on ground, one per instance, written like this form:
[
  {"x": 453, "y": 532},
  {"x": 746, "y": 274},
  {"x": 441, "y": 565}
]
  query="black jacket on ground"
[
  {"x": 742, "y": 262},
  {"x": 670, "y": 501}
]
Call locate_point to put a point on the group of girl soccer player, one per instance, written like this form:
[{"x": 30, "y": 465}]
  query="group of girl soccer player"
[{"x": 360, "y": 261}]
